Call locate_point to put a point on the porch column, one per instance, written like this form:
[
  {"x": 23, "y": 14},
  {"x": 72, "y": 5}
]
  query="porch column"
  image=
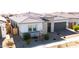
[
  {"x": 52, "y": 26},
  {"x": 44, "y": 27},
  {"x": 67, "y": 24}
]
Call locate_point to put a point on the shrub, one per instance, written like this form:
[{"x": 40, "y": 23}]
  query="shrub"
[
  {"x": 46, "y": 36},
  {"x": 27, "y": 37},
  {"x": 76, "y": 27},
  {"x": 10, "y": 44}
]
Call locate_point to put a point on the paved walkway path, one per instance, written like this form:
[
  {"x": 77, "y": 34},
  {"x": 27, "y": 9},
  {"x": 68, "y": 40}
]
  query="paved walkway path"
[{"x": 19, "y": 43}]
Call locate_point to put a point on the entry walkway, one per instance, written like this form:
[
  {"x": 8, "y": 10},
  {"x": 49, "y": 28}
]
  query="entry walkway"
[{"x": 19, "y": 43}]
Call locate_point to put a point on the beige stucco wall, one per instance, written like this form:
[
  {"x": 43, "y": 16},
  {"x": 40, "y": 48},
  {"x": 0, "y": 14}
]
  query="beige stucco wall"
[
  {"x": 52, "y": 27},
  {"x": 45, "y": 25},
  {"x": 44, "y": 31}
]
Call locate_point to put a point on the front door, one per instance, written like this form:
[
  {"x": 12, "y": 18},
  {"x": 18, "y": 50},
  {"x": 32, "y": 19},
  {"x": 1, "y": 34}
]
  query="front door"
[{"x": 49, "y": 27}]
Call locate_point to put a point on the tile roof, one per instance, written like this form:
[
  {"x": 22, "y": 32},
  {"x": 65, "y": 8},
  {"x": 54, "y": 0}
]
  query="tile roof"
[
  {"x": 67, "y": 15},
  {"x": 19, "y": 18}
]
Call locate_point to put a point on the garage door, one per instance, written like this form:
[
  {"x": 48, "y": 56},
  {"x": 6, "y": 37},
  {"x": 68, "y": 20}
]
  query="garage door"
[{"x": 59, "y": 26}]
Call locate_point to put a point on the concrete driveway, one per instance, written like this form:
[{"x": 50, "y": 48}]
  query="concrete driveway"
[{"x": 65, "y": 32}]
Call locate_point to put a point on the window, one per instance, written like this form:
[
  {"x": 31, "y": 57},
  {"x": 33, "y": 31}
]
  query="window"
[{"x": 32, "y": 27}]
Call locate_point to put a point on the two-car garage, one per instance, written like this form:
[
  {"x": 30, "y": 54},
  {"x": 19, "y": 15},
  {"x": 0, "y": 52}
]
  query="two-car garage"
[{"x": 59, "y": 26}]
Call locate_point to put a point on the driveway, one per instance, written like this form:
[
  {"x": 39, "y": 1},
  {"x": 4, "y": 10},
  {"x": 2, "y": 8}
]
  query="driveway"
[{"x": 65, "y": 32}]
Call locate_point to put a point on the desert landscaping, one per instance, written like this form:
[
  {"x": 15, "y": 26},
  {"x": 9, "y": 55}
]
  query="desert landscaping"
[{"x": 66, "y": 45}]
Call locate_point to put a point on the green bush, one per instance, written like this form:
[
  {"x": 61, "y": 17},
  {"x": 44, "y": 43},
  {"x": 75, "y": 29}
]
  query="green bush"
[
  {"x": 27, "y": 37},
  {"x": 46, "y": 36},
  {"x": 76, "y": 27}
]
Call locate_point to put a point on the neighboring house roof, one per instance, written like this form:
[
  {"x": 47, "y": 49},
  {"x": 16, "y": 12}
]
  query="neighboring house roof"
[
  {"x": 59, "y": 18},
  {"x": 2, "y": 19},
  {"x": 66, "y": 15}
]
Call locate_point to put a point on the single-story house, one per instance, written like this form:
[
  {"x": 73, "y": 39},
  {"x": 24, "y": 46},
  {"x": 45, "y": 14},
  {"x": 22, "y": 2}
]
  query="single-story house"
[
  {"x": 36, "y": 23},
  {"x": 2, "y": 27}
]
